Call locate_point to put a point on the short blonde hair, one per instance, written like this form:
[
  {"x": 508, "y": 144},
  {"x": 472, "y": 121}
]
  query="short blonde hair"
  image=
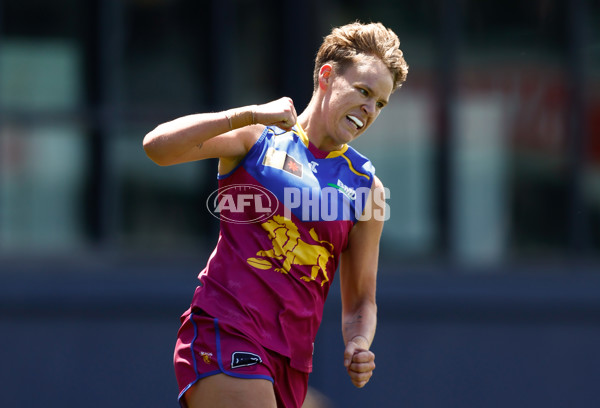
[{"x": 345, "y": 43}]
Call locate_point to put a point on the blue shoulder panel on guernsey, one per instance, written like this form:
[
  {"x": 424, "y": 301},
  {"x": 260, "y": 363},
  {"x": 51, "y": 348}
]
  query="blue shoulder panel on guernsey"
[{"x": 312, "y": 184}]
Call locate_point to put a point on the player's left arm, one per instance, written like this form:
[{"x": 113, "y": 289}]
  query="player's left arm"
[{"x": 358, "y": 275}]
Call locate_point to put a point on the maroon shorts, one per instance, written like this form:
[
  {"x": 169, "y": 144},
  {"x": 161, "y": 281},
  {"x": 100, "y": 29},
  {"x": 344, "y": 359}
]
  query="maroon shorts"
[{"x": 207, "y": 347}]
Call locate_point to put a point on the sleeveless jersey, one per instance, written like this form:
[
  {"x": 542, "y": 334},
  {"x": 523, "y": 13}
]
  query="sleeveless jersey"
[{"x": 286, "y": 212}]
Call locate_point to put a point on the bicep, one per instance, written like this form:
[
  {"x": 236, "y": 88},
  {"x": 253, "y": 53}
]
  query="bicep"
[{"x": 230, "y": 146}]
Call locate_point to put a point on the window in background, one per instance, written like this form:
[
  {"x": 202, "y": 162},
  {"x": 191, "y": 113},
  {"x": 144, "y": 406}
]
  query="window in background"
[
  {"x": 400, "y": 145},
  {"x": 164, "y": 63},
  {"x": 165, "y": 56},
  {"x": 160, "y": 210},
  {"x": 514, "y": 168},
  {"x": 43, "y": 144},
  {"x": 590, "y": 55},
  {"x": 42, "y": 151}
]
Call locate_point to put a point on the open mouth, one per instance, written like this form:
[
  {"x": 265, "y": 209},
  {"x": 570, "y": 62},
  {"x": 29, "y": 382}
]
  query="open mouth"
[{"x": 357, "y": 122}]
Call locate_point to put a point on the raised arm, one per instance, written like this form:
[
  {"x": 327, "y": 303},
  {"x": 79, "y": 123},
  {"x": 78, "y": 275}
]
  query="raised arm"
[
  {"x": 358, "y": 274},
  {"x": 226, "y": 135}
]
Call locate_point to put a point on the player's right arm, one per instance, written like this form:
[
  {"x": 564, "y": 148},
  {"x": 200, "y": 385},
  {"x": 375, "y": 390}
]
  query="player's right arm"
[{"x": 210, "y": 135}]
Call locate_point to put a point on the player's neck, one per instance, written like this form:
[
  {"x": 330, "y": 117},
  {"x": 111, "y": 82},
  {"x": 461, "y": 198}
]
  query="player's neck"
[{"x": 312, "y": 124}]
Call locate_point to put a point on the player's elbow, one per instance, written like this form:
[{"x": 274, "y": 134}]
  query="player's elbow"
[{"x": 154, "y": 149}]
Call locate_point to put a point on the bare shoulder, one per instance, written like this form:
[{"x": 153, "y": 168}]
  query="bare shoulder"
[
  {"x": 377, "y": 184},
  {"x": 376, "y": 208}
]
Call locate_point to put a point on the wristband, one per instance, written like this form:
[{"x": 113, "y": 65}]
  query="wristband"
[
  {"x": 241, "y": 117},
  {"x": 361, "y": 336}
]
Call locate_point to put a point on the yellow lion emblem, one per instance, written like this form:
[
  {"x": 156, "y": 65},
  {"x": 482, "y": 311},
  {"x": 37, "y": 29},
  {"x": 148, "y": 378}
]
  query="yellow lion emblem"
[
  {"x": 206, "y": 357},
  {"x": 288, "y": 246}
]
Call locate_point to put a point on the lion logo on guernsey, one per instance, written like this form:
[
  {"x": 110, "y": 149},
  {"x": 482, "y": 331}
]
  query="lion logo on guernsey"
[{"x": 289, "y": 248}]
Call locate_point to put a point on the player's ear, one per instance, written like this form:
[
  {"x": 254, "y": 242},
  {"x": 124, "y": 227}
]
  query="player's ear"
[{"x": 324, "y": 75}]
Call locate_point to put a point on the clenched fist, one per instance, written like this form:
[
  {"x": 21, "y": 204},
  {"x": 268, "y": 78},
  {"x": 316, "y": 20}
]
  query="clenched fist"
[
  {"x": 359, "y": 363},
  {"x": 280, "y": 113}
]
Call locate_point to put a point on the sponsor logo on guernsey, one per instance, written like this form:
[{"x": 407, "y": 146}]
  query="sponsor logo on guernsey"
[
  {"x": 244, "y": 359},
  {"x": 313, "y": 166},
  {"x": 344, "y": 189}
]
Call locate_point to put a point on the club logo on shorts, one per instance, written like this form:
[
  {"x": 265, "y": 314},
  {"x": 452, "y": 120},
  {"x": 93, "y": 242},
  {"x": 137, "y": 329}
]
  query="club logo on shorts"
[
  {"x": 244, "y": 359},
  {"x": 206, "y": 357}
]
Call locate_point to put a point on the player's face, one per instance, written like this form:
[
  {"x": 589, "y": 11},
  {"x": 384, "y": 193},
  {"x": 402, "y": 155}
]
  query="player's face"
[{"x": 355, "y": 99}]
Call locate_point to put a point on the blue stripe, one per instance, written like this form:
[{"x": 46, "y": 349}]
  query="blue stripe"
[
  {"x": 181, "y": 402},
  {"x": 219, "y": 362},
  {"x": 231, "y": 373},
  {"x": 192, "y": 345}
]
